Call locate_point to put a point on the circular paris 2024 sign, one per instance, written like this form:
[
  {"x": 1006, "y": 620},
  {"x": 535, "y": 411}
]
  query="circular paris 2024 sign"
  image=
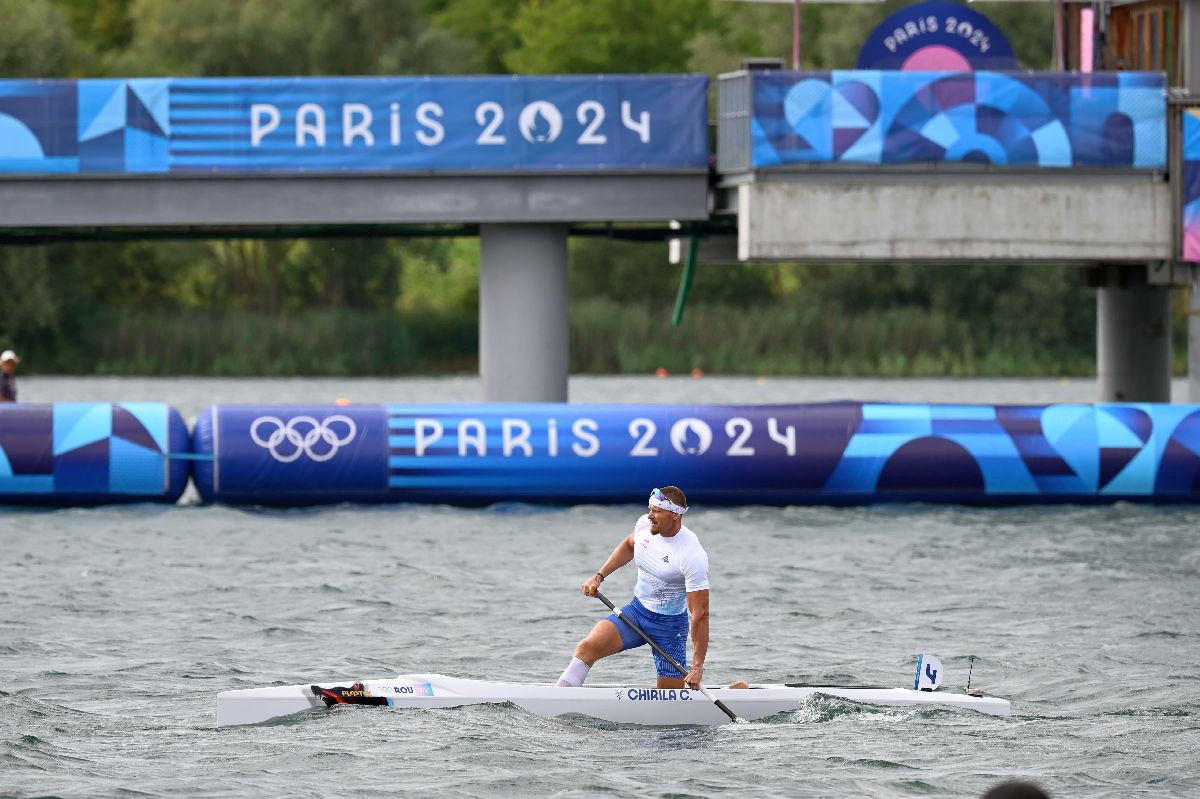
[{"x": 937, "y": 37}]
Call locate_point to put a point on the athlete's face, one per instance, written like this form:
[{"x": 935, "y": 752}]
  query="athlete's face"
[{"x": 662, "y": 520}]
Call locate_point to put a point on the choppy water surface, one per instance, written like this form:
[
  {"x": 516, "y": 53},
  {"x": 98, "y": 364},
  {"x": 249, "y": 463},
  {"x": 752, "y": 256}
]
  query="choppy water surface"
[{"x": 120, "y": 625}]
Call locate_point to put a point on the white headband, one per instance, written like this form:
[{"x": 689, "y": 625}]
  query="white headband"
[{"x": 659, "y": 500}]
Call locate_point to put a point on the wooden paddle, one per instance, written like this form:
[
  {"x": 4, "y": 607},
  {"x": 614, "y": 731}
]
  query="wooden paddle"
[{"x": 724, "y": 708}]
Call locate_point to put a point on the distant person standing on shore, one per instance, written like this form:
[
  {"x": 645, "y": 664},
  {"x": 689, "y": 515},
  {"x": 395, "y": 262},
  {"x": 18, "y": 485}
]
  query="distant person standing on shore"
[{"x": 8, "y": 380}]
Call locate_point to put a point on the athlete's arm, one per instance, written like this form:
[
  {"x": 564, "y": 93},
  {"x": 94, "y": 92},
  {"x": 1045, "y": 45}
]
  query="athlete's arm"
[
  {"x": 619, "y": 557},
  {"x": 698, "y": 611}
]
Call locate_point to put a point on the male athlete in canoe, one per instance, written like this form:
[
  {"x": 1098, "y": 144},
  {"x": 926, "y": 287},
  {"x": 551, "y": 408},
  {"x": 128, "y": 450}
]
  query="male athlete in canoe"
[{"x": 671, "y": 596}]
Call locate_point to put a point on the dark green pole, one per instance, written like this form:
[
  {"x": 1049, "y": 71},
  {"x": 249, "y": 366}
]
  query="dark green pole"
[{"x": 685, "y": 280}]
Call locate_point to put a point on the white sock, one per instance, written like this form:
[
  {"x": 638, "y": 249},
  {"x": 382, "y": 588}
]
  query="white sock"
[{"x": 574, "y": 675}]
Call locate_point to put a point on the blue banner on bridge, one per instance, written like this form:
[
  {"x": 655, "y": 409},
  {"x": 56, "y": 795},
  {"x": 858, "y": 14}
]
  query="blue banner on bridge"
[
  {"x": 334, "y": 125},
  {"x": 999, "y": 118}
]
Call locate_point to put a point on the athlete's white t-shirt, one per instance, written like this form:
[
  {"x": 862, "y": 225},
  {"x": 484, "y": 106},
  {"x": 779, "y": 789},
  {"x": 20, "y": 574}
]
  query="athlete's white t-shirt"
[{"x": 668, "y": 568}]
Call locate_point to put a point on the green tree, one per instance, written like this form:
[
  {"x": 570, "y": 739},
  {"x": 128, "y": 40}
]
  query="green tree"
[
  {"x": 833, "y": 33},
  {"x": 439, "y": 276},
  {"x": 36, "y": 40},
  {"x": 29, "y": 308},
  {"x": 104, "y": 24},
  {"x": 297, "y": 37},
  {"x": 638, "y": 273},
  {"x": 566, "y": 36},
  {"x": 486, "y": 24},
  {"x": 1029, "y": 28},
  {"x": 344, "y": 274}
]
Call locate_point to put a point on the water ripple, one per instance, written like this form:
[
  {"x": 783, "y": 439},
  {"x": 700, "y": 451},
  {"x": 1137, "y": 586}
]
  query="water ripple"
[{"x": 1084, "y": 617}]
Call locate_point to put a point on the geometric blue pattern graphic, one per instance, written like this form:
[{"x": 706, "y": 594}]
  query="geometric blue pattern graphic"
[
  {"x": 67, "y": 126},
  {"x": 124, "y": 125},
  {"x": 91, "y": 452},
  {"x": 1191, "y": 185},
  {"x": 996, "y": 118},
  {"x": 38, "y": 127}
]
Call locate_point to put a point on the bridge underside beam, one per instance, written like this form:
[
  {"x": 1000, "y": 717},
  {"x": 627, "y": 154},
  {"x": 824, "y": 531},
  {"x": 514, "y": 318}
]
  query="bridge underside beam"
[
  {"x": 891, "y": 216},
  {"x": 173, "y": 201}
]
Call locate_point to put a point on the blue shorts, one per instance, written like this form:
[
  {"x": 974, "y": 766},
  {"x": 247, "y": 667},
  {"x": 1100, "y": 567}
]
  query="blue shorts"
[{"x": 669, "y": 632}]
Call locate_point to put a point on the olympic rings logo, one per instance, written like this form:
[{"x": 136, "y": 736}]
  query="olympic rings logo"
[{"x": 303, "y": 435}]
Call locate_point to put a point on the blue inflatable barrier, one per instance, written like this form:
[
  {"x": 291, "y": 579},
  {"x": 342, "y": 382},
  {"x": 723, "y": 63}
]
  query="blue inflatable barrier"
[
  {"x": 832, "y": 453},
  {"x": 85, "y": 453}
]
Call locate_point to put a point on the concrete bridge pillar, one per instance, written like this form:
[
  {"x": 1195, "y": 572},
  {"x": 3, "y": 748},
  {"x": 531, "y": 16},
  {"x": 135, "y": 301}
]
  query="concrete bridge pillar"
[
  {"x": 1133, "y": 336},
  {"x": 523, "y": 322}
]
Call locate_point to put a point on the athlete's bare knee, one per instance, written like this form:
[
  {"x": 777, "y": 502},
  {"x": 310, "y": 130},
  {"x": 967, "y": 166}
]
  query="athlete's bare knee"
[
  {"x": 601, "y": 642},
  {"x": 586, "y": 652}
]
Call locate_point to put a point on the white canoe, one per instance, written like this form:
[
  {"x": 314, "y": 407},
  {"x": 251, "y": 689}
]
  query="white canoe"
[{"x": 625, "y": 704}]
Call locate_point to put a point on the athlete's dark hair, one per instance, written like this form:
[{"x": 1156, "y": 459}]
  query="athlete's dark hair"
[{"x": 675, "y": 494}]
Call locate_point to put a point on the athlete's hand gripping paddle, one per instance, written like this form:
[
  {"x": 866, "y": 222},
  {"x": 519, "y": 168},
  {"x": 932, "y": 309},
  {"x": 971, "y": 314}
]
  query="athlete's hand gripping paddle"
[{"x": 633, "y": 626}]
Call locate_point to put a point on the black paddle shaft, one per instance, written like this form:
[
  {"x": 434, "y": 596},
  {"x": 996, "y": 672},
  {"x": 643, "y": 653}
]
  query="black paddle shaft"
[{"x": 665, "y": 656}]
